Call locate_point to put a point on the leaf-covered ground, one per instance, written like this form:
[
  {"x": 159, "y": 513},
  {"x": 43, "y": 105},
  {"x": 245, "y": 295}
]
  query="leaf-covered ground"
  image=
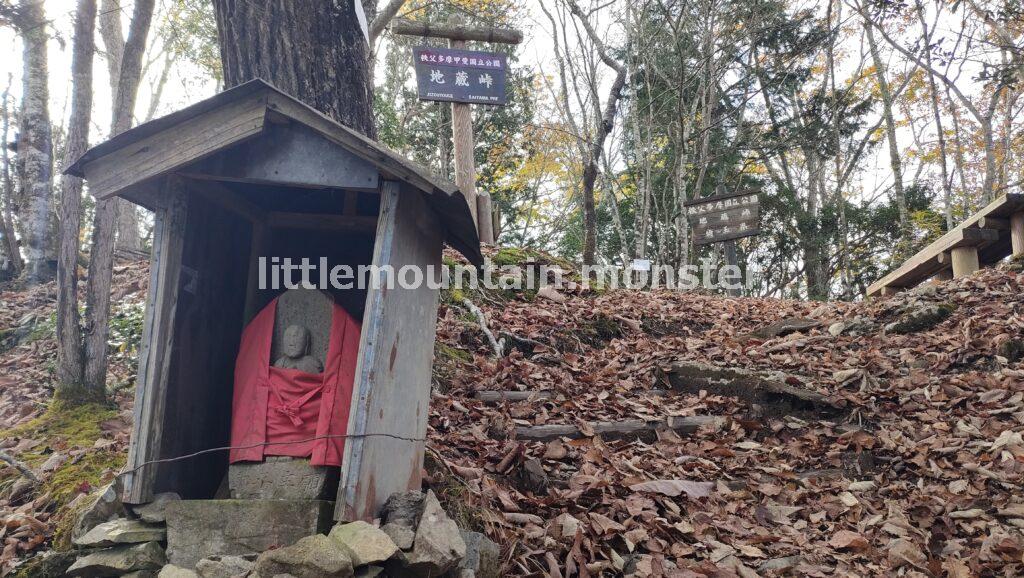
[{"x": 918, "y": 474}]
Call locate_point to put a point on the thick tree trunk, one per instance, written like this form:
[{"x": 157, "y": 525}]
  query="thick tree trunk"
[
  {"x": 69, "y": 327},
  {"x": 11, "y": 251},
  {"x": 34, "y": 201},
  {"x": 101, "y": 262},
  {"x": 311, "y": 49}
]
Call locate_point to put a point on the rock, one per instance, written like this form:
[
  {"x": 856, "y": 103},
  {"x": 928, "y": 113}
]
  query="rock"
[
  {"x": 404, "y": 507},
  {"x": 920, "y": 318},
  {"x": 50, "y": 564},
  {"x": 401, "y": 534},
  {"x": 369, "y": 572},
  {"x": 155, "y": 512},
  {"x": 198, "y": 529},
  {"x": 483, "y": 557},
  {"x": 785, "y": 327},
  {"x": 119, "y": 560},
  {"x": 143, "y": 574},
  {"x": 103, "y": 506},
  {"x": 836, "y": 329},
  {"x": 438, "y": 546},
  {"x": 364, "y": 543},
  {"x": 225, "y": 566},
  {"x": 282, "y": 478},
  {"x": 311, "y": 557},
  {"x": 120, "y": 531},
  {"x": 172, "y": 571}
]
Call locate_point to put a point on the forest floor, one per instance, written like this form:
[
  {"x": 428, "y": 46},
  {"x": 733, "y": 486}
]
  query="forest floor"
[{"x": 872, "y": 438}]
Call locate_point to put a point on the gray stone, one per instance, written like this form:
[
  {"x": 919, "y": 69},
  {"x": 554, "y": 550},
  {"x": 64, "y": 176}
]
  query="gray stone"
[
  {"x": 311, "y": 557},
  {"x": 103, "y": 506},
  {"x": 120, "y": 531},
  {"x": 400, "y": 533},
  {"x": 119, "y": 560},
  {"x": 365, "y": 543},
  {"x": 198, "y": 529},
  {"x": 282, "y": 478},
  {"x": 483, "y": 557},
  {"x": 920, "y": 318},
  {"x": 144, "y": 574},
  {"x": 225, "y": 566},
  {"x": 438, "y": 547},
  {"x": 786, "y": 326},
  {"x": 172, "y": 571},
  {"x": 308, "y": 308},
  {"x": 405, "y": 507},
  {"x": 369, "y": 572},
  {"x": 155, "y": 512}
]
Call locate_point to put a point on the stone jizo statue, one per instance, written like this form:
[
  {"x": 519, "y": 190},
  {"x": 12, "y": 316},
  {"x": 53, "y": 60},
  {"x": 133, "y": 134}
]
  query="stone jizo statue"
[{"x": 295, "y": 351}]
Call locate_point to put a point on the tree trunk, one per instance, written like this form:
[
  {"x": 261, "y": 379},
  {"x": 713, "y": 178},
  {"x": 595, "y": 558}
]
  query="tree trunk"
[
  {"x": 113, "y": 41},
  {"x": 34, "y": 201},
  {"x": 69, "y": 327},
  {"x": 11, "y": 253},
  {"x": 312, "y": 50},
  {"x": 890, "y": 135},
  {"x": 101, "y": 262}
]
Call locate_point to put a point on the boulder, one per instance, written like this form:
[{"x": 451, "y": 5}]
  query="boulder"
[
  {"x": 920, "y": 318},
  {"x": 120, "y": 531},
  {"x": 155, "y": 512},
  {"x": 198, "y": 529},
  {"x": 364, "y": 543},
  {"x": 225, "y": 566},
  {"x": 142, "y": 574},
  {"x": 103, "y": 506},
  {"x": 172, "y": 571},
  {"x": 311, "y": 557},
  {"x": 483, "y": 557},
  {"x": 401, "y": 534},
  {"x": 119, "y": 560},
  {"x": 438, "y": 546}
]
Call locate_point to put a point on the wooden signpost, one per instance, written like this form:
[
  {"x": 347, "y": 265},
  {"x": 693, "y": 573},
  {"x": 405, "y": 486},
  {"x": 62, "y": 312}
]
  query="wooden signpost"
[
  {"x": 462, "y": 77},
  {"x": 723, "y": 218}
]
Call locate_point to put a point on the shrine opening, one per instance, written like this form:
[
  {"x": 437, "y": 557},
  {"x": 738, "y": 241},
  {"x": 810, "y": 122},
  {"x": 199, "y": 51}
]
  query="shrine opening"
[{"x": 299, "y": 383}]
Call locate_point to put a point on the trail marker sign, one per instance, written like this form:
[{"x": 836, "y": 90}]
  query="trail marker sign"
[
  {"x": 451, "y": 75},
  {"x": 724, "y": 217}
]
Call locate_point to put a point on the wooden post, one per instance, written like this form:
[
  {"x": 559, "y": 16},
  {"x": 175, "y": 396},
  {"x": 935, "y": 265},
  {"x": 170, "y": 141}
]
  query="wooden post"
[
  {"x": 965, "y": 261},
  {"x": 730, "y": 259},
  {"x": 465, "y": 164},
  {"x": 1017, "y": 233}
]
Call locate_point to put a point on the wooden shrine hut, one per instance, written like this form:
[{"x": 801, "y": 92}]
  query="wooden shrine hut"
[{"x": 253, "y": 172}]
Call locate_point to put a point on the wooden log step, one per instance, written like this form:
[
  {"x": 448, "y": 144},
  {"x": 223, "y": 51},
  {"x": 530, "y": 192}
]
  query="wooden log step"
[
  {"x": 617, "y": 429},
  {"x": 769, "y": 391}
]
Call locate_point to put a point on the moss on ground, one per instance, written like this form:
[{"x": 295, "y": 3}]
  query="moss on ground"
[{"x": 76, "y": 426}]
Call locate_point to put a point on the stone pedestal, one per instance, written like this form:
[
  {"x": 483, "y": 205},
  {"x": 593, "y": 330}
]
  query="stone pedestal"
[
  {"x": 197, "y": 529},
  {"x": 282, "y": 478}
]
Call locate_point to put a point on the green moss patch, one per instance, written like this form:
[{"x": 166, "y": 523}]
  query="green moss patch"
[{"x": 74, "y": 426}]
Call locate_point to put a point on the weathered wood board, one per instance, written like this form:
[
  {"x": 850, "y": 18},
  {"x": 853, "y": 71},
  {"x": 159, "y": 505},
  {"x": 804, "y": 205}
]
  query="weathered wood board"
[
  {"x": 392, "y": 390},
  {"x": 723, "y": 217}
]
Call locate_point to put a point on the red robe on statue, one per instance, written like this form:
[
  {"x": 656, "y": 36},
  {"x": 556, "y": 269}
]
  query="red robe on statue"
[{"x": 276, "y": 411}]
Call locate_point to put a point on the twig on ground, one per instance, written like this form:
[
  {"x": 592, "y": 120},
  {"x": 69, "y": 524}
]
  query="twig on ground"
[
  {"x": 25, "y": 470},
  {"x": 498, "y": 345}
]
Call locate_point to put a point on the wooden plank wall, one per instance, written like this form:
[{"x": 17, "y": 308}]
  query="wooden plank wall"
[
  {"x": 208, "y": 326},
  {"x": 157, "y": 338},
  {"x": 392, "y": 390}
]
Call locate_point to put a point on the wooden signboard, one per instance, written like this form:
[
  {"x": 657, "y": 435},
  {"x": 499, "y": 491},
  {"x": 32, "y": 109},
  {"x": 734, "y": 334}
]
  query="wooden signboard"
[
  {"x": 723, "y": 217},
  {"x": 468, "y": 76}
]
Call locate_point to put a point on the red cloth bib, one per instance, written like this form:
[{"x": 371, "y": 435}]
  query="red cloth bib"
[{"x": 274, "y": 409}]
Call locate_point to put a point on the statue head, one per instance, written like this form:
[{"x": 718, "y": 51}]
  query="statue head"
[{"x": 296, "y": 342}]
